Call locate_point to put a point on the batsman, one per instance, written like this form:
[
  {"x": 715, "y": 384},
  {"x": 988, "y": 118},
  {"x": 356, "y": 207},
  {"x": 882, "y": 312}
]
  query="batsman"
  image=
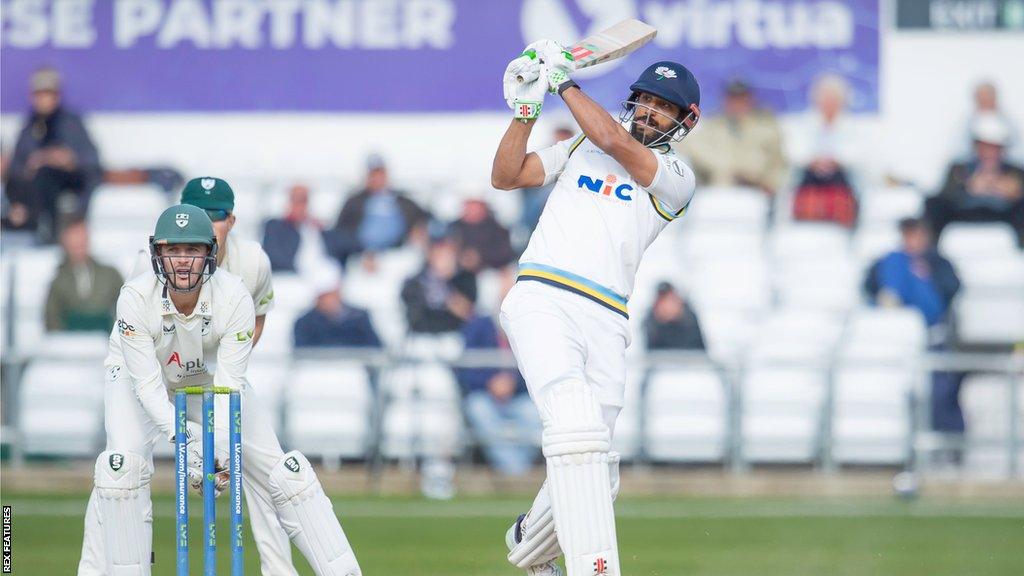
[
  {"x": 618, "y": 184},
  {"x": 188, "y": 322}
]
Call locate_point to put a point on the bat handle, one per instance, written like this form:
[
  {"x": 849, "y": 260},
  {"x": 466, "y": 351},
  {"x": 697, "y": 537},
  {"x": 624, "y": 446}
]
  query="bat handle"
[{"x": 529, "y": 75}]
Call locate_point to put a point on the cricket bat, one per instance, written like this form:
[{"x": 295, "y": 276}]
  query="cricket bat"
[{"x": 611, "y": 43}]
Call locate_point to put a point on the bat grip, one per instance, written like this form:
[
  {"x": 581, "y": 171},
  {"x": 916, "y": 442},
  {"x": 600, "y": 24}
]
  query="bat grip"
[{"x": 529, "y": 75}]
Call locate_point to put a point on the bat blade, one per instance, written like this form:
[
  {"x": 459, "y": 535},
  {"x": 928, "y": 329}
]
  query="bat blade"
[{"x": 614, "y": 42}]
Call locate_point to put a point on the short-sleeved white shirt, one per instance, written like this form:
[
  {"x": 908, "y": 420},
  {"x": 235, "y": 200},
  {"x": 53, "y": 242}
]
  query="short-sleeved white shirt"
[{"x": 598, "y": 221}]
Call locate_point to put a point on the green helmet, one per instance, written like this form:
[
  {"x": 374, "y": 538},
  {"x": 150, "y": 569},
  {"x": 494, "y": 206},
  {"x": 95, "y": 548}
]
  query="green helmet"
[{"x": 183, "y": 224}]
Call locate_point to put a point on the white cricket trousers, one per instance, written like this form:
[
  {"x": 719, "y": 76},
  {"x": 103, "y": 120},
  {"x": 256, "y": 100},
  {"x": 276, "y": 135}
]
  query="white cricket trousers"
[{"x": 557, "y": 335}]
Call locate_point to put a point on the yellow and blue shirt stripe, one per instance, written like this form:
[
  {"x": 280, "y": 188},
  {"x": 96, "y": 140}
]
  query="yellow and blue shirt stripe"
[{"x": 574, "y": 283}]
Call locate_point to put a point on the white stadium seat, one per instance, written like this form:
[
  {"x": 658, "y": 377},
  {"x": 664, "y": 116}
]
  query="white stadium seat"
[
  {"x": 871, "y": 243},
  {"x": 126, "y": 206},
  {"x": 686, "y": 415},
  {"x": 714, "y": 243},
  {"x": 809, "y": 241},
  {"x": 796, "y": 334},
  {"x": 781, "y": 413},
  {"x": 292, "y": 292},
  {"x": 872, "y": 419},
  {"x": 61, "y": 407},
  {"x": 985, "y": 319},
  {"x": 328, "y": 408},
  {"x": 895, "y": 334},
  {"x": 744, "y": 208},
  {"x": 985, "y": 400},
  {"x": 960, "y": 241},
  {"x": 734, "y": 283},
  {"x": 827, "y": 285},
  {"x": 886, "y": 206}
]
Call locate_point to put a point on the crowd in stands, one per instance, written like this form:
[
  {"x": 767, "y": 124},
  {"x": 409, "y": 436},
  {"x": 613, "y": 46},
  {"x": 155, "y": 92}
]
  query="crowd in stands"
[{"x": 48, "y": 179}]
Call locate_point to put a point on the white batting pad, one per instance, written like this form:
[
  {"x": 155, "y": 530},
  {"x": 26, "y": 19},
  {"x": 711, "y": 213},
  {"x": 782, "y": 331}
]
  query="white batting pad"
[
  {"x": 125, "y": 512},
  {"x": 308, "y": 516},
  {"x": 539, "y": 544},
  {"x": 576, "y": 444}
]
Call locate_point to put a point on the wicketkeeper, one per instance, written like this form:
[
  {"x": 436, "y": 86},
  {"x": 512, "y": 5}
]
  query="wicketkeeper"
[
  {"x": 172, "y": 326},
  {"x": 617, "y": 186}
]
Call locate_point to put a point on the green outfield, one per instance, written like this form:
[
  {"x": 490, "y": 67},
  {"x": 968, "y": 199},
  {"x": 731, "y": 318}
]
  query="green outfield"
[{"x": 664, "y": 537}]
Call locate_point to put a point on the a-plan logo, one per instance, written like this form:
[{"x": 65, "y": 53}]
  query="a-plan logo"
[
  {"x": 189, "y": 368},
  {"x": 608, "y": 186}
]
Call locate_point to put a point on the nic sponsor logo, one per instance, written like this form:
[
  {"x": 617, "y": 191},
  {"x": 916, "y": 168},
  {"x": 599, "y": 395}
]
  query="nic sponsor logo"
[{"x": 608, "y": 186}]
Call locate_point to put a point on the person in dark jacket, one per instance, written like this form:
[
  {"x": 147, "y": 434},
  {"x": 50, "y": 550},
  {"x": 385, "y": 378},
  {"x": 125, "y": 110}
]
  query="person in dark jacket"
[
  {"x": 483, "y": 241},
  {"x": 83, "y": 295},
  {"x": 332, "y": 322},
  {"x": 919, "y": 277},
  {"x": 987, "y": 188},
  {"x": 671, "y": 324},
  {"x": 55, "y": 165},
  {"x": 441, "y": 297},
  {"x": 376, "y": 218},
  {"x": 286, "y": 239}
]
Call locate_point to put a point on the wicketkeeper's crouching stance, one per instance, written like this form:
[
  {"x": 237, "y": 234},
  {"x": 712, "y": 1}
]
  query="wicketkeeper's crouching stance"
[
  {"x": 172, "y": 325},
  {"x": 618, "y": 184}
]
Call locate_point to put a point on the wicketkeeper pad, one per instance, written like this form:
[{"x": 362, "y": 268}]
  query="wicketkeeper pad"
[
  {"x": 308, "y": 517},
  {"x": 576, "y": 443},
  {"x": 126, "y": 512}
]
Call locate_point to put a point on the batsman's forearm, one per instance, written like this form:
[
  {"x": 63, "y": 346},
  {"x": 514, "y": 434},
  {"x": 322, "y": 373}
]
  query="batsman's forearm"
[
  {"x": 511, "y": 155},
  {"x": 597, "y": 124}
]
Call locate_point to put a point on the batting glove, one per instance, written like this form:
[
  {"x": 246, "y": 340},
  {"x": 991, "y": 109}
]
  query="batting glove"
[
  {"x": 556, "y": 61},
  {"x": 524, "y": 88}
]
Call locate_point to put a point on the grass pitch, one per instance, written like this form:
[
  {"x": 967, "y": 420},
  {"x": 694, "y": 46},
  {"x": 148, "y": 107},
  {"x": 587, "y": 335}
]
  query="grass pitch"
[{"x": 663, "y": 537}]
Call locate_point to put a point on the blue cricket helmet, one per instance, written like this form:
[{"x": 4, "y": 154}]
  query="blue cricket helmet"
[{"x": 674, "y": 83}]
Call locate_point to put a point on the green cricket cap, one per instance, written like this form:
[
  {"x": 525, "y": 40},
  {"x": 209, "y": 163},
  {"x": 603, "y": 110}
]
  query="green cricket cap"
[
  {"x": 209, "y": 193},
  {"x": 184, "y": 224}
]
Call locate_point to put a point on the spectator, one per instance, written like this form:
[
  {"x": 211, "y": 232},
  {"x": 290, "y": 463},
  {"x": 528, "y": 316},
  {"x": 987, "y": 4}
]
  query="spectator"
[
  {"x": 377, "y": 217},
  {"x": 332, "y": 322},
  {"x": 441, "y": 297},
  {"x": 827, "y": 151},
  {"x": 986, "y": 188},
  {"x": 483, "y": 241},
  {"x": 84, "y": 293},
  {"x": 917, "y": 276},
  {"x": 497, "y": 406},
  {"x": 671, "y": 324},
  {"x": 742, "y": 147},
  {"x": 535, "y": 198},
  {"x": 986, "y": 101},
  {"x": 55, "y": 165},
  {"x": 297, "y": 238}
]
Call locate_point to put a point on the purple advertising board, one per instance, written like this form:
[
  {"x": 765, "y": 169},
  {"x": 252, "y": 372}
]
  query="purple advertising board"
[{"x": 413, "y": 55}]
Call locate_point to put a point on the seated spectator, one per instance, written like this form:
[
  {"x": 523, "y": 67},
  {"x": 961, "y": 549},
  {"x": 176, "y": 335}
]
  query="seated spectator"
[
  {"x": 332, "y": 322},
  {"x": 55, "y": 165},
  {"x": 741, "y": 147},
  {"x": 441, "y": 297},
  {"x": 826, "y": 150},
  {"x": 377, "y": 217},
  {"x": 483, "y": 242},
  {"x": 84, "y": 293},
  {"x": 986, "y": 101},
  {"x": 917, "y": 276},
  {"x": 497, "y": 406},
  {"x": 671, "y": 323},
  {"x": 986, "y": 188},
  {"x": 535, "y": 198},
  {"x": 297, "y": 237}
]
